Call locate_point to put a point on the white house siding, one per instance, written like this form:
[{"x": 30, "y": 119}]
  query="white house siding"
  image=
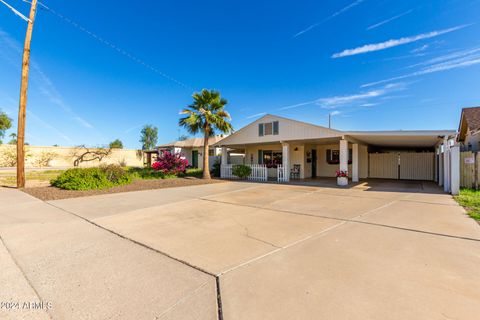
[
  {"x": 288, "y": 130},
  {"x": 472, "y": 142}
]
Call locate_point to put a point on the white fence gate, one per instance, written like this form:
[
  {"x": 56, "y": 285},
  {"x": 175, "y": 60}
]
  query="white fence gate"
[
  {"x": 282, "y": 174},
  {"x": 259, "y": 172}
]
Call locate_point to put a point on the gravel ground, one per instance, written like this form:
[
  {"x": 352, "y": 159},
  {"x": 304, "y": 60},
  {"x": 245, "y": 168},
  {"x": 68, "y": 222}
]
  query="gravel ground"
[{"x": 53, "y": 193}]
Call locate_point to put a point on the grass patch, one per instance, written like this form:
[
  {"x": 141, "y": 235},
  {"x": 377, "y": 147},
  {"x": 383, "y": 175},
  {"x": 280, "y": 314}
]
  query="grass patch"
[
  {"x": 470, "y": 200},
  {"x": 10, "y": 178}
]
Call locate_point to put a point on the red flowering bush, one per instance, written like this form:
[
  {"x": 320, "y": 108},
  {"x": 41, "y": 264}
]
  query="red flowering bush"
[
  {"x": 170, "y": 163},
  {"x": 341, "y": 174}
]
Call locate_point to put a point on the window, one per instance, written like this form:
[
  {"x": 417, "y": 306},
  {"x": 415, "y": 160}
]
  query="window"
[
  {"x": 270, "y": 158},
  {"x": 268, "y": 128},
  {"x": 211, "y": 152},
  {"x": 333, "y": 156}
]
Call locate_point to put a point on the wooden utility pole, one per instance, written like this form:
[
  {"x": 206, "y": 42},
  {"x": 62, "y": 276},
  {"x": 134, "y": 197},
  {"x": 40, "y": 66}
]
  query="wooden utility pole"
[{"x": 22, "y": 110}]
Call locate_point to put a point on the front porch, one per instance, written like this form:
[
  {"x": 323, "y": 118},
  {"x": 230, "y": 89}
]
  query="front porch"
[{"x": 286, "y": 161}]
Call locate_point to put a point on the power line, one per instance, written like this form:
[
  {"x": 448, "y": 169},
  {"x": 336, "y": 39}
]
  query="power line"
[
  {"x": 18, "y": 13},
  {"x": 113, "y": 46}
]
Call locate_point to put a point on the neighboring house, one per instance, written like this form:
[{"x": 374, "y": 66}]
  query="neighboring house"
[
  {"x": 278, "y": 148},
  {"x": 192, "y": 150},
  {"x": 469, "y": 129}
]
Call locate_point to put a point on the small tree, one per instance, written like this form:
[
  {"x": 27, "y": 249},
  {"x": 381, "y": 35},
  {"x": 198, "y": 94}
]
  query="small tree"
[
  {"x": 5, "y": 124},
  {"x": 206, "y": 115},
  {"x": 116, "y": 144},
  {"x": 183, "y": 137},
  {"x": 43, "y": 160},
  {"x": 14, "y": 138},
  {"x": 149, "y": 137},
  {"x": 84, "y": 154}
]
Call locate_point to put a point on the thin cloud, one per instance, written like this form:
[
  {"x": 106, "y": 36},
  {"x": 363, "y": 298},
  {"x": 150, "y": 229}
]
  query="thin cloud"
[
  {"x": 362, "y": 98},
  {"x": 43, "y": 83},
  {"x": 298, "y": 105},
  {"x": 335, "y": 113},
  {"x": 420, "y": 49},
  {"x": 389, "y": 20},
  {"x": 394, "y": 42},
  {"x": 133, "y": 128},
  {"x": 83, "y": 122},
  {"x": 339, "y": 12},
  {"x": 454, "y": 55},
  {"x": 49, "y": 126},
  {"x": 461, "y": 62},
  {"x": 256, "y": 115}
]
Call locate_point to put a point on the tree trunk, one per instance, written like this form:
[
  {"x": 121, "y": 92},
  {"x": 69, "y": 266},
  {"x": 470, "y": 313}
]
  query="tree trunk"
[{"x": 206, "y": 167}]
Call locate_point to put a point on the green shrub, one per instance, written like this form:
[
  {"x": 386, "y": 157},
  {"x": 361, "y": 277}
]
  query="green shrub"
[
  {"x": 92, "y": 178},
  {"x": 241, "y": 171},
  {"x": 116, "y": 174}
]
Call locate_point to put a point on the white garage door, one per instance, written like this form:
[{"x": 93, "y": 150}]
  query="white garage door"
[
  {"x": 403, "y": 165},
  {"x": 417, "y": 166}
]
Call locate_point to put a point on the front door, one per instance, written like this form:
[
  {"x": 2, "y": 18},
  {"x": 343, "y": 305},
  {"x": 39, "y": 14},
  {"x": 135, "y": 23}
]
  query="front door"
[
  {"x": 314, "y": 163},
  {"x": 195, "y": 158}
]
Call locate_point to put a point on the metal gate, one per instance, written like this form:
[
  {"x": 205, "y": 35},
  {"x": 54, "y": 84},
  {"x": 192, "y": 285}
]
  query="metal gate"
[
  {"x": 383, "y": 165},
  {"x": 417, "y": 166},
  {"x": 402, "y": 165}
]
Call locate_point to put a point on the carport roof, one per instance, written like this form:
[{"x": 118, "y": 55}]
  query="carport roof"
[{"x": 401, "y": 138}]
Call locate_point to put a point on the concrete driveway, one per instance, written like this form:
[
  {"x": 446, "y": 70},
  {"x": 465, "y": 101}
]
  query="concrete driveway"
[{"x": 380, "y": 250}]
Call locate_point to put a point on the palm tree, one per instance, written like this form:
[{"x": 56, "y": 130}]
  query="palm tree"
[{"x": 206, "y": 115}]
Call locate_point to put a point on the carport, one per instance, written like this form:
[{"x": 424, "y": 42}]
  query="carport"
[{"x": 282, "y": 149}]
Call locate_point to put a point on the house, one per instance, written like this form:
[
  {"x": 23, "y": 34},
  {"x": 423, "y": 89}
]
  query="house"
[
  {"x": 279, "y": 148},
  {"x": 192, "y": 150},
  {"x": 469, "y": 129}
]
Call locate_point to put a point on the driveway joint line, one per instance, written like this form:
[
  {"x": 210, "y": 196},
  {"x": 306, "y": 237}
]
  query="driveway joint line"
[
  {"x": 133, "y": 241},
  {"x": 216, "y": 277},
  {"x": 2, "y": 242},
  {"x": 352, "y": 219}
]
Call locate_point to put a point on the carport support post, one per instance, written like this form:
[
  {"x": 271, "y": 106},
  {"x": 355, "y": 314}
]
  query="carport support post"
[
  {"x": 224, "y": 159},
  {"x": 355, "y": 162},
  {"x": 440, "y": 166},
  {"x": 343, "y": 155},
  {"x": 455, "y": 170},
  {"x": 446, "y": 166}
]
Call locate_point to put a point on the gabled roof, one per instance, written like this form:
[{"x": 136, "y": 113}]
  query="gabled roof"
[
  {"x": 469, "y": 121},
  {"x": 289, "y": 130},
  {"x": 191, "y": 143}
]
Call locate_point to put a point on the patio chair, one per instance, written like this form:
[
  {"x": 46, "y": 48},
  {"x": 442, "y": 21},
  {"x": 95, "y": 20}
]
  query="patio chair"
[{"x": 295, "y": 172}]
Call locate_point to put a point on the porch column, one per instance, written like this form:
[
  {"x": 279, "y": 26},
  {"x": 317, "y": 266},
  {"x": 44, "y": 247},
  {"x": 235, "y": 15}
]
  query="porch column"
[
  {"x": 224, "y": 159},
  {"x": 354, "y": 162},
  {"x": 286, "y": 160},
  {"x": 343, "y": 155}
]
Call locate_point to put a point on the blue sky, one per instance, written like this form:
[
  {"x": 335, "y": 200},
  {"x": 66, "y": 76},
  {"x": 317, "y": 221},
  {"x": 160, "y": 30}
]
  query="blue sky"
[{"x": 375, "y": 65}]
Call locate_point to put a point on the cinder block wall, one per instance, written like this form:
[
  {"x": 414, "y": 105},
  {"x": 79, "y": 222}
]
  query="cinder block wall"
[{"x": 65, "y": 156}]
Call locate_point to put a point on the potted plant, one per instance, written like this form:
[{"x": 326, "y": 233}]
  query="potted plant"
[{"x": 342, "y": 177}]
